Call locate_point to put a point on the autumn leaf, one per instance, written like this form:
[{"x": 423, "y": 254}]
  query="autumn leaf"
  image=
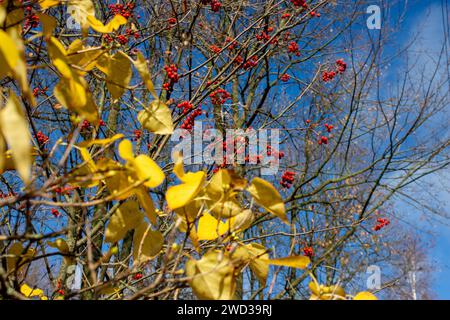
[
  {"x": 115, "y": 23},
  {"x": 255, "y": 255},
  {"x": 62, "y": 247},
  {"x": 146, "y": 243},
  {"x": 212, "y": 277},
  {"x": 180, "y": 195},
  {"x": 209, "y": 228},
  {"x": 364, "y": 295},
  {"x": 268, "y": 197},
  {"x": 141, "y": 65},
  {"x": 321, "y": 292},
  {"x": 28, "y": 292},
  {"x": 18, "y": 256},
  {"x": 14, "y": 128},
  {"x": 299, "y": 262},
  {"x": 119, "y": 74},
  {"x": 222, "y": 193},
  {"x": 45, "y": 4},
  {"x": 157, "y": 118},
  {"x": 12, "y": 61},
  {"x": 124, "y": 219}
]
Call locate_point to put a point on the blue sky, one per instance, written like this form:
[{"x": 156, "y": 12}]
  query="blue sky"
[{"x": 425, "y": 19}]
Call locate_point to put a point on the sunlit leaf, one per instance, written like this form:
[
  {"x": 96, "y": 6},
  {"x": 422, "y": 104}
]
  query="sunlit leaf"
[
  {"x": 146, "y": 243},
  {"x": 209, "y": 228},
  {"x": 299, "y": 262},
  {"x": 115, "y": 23},
  {"x": 119, "y": 74},
  {"x": 212, "y": 277},
  {"x": 268, "y": 197},
  {"x": 14, "y": 128},
  {"x": 157, "y": 118},
  {"x": 364, "y": 295},
  {"x": 28, "y": 292},
  {"x": 124, "y": 219},
  {"x": 141, "y": 65}
]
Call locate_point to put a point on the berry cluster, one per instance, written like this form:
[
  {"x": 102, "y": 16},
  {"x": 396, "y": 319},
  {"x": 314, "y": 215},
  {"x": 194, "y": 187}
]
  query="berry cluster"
[
  {"x": 287, "y": 179},
  {"x": 233, "y": 43},
  {"x": 285, "y": 77},
  {"x": 31, "y": 19},
  {"x": 7, "y": 195},
  {"x": 219, "y": 96},
  {"x": 137, "y": 134},
  {"x": 172, "y": 74},
  {"x": 308, "y": 251},
  {"x": 38, "y": 91},
  {"x": 188, "y": 123},
  {"x": 381, "y": 223},
  {"x": 300, "y": 3},
  {"x": 323, "y": 140},
  {"x": 329, "y": 127},
  {"x": 215, "y": 4},
  {"x": 186, "y": 106},
  {"x": 124, "y": 10},
  {"x": 55, "y": 213},
  {"x": 41, "y": 138},
  {"x": 138, "y": 276},
  {"x": 251, "y": 63},
  {"x": 215, "y": 49},
  {"x": 275, "y": 153},
  {"x": 294, "y": 48},
  {"x": 172, "y": 22},
  {"x": 341, "y": 66},
  {"x": 265, "y": 36},
  {"x": 64, "y": 190}
]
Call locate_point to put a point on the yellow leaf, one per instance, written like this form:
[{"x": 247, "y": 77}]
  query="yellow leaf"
[
  {"x": 255, "y": 254},
  {"x": 299, "y": 262},
  {"x": 45, "y": 4},
  {"x": 101, "y": 142},
  {"x": 119, "y": 74},
  {"x": 321, "y": 292},
  {"x": 147, "y": 170},
  {"x": 268, "y": 197},
  {"x": 73, "y": 94},
  {"x": 14, "y": 128},
  {"x": 146, "y": 243},
  {"x": 84, "y": 58},
  {"x": 2, "y": 13},
  {"x": 242, "y": 221},
  {"x": 81, "y": 9},
  {"x": 209, "y": 228},
  {"x": 180, "y": 195},
  {"x": 62, "y": 247},
  {"x": 48, "y": 24},
  {"x": 143, "y": 167},
  {"x": 12, "y": 61},
  {"x": 157, "y": 118},
  {"x": 364, "y": 295},
  {"x": 124, "y": 219},
  {"x": 113, "y": 25},
  {"x": 146, "y": 203},
  {"x": 212, "y": 277},
  {"x": 222, "y": 191},
  {"x": 29, "y": 292},
  {"x": 126, "y": 150},
  {"x": 18, "y": 256},
  {"x": 141, "y": 65}
]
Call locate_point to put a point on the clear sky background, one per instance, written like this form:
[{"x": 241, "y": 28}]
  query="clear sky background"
[{"x": 427, "y": 19}]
